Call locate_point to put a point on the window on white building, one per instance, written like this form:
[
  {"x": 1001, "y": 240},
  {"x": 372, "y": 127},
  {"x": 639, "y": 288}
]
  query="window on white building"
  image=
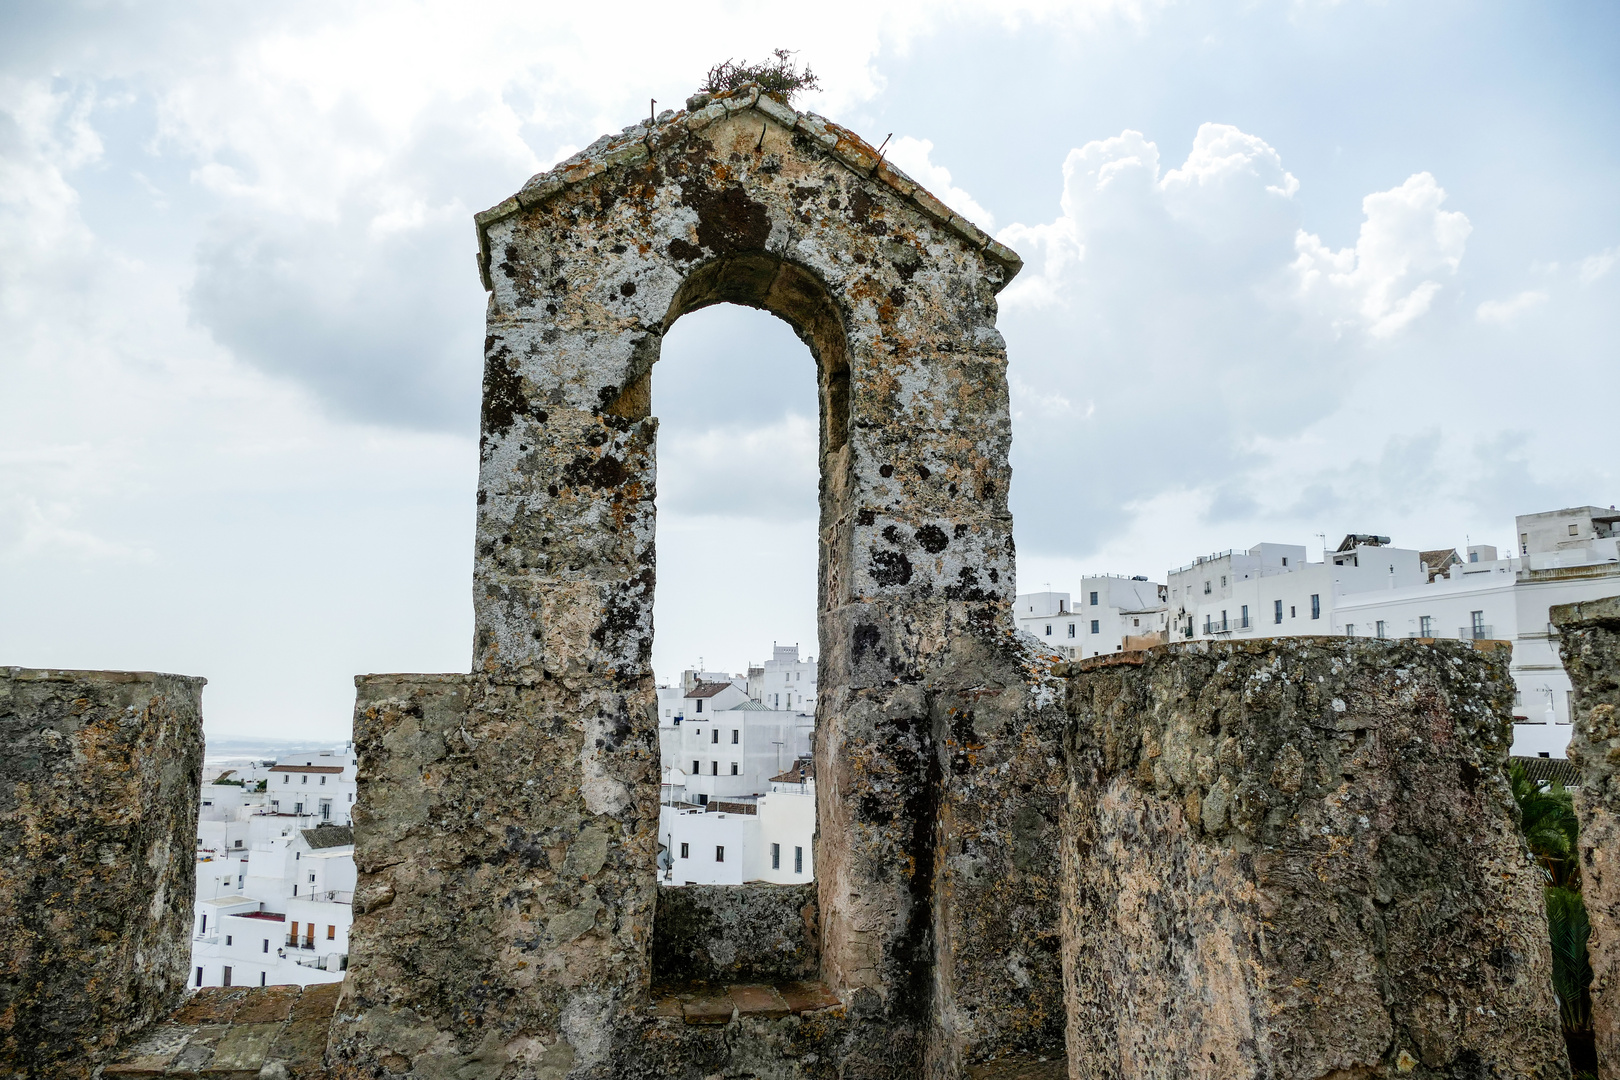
[
  {"x": 734, "y": 768},
  {"x": 286, "y": 779},
  {"x": 227, "y": 939},
  {"x": 1276, "y": 611},
  {"x": 699, "y": 705},
  {"x": 1316, "y": 605},
  {"x": 1093, "y": 599},
  {"x": 1378, "y": 628},
  {"x": 1574, "y": 530},
  {"x": 1206, "y": 588},
  {"x": 714, "y": 736},
  {"x": 1048, "y": 629},
  {"x": 736, "y": 736},
  {"x": 715, "y": 768},
  {"x": 1349, "y": 629},
  {"x": 266, "y": 945},
  {"x": 1096, "y": 626},
  {"x": 719, "y": 853},
  {"x": 798, "y": 860},
  {"x": 1223, "y": 581},
  {"x": 1071, "y": 629},
  {"x": 776, "y": 856},
  {"x": 1245, "y": 622},
  {"x": 686, "y": 851},
  {"x": 1425, "y": 626}
]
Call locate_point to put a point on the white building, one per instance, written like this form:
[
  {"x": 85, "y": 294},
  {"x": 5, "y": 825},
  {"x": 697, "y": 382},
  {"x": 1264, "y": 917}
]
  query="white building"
[
  {"x": 1565, "y": 556},
  {"x": 1114, "y": 613},
  {"x": 766, "y": 837},
  {"x": 784, "y": 681},
  {"x": 738, "y": 797},
  {"x": 734, "y": 752},
  {"x": 1368, "y": 588},
  {"x": 320, "y": 786},
  {"x": 275, "y": 874},
  {"x": 1274, "y": 590}
]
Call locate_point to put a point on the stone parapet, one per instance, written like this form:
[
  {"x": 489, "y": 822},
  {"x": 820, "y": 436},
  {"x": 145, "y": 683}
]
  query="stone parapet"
[
  {"x": 1298, "y": 858},
  {"x": 506, "y": 887},
  {"x": 99, "y": 779},
  {"x": 1589, "y": 640},
  {"x": 736, "y": 934},
  {"x": 273, "y": 1032}
]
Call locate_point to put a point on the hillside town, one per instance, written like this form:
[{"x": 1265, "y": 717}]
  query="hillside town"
[
  {"x": 1365, "y": 587},
  {"x": 275, "y": 872},
  {"x": 275, "y": 847}
]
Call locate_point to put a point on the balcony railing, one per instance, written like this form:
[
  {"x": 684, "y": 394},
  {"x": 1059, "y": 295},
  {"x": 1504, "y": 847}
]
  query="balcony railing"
[
  {"x": 1225, "y": 626},
  {"x": 1474, "y": 633}
]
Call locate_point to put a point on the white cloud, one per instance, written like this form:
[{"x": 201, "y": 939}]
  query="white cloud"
[
  {"x": 1503, "y": 312},
  {"x": 767, "y": 472},
  {"x": 914, "y": 156},
  {"x": 1232, "y": 190},
  {"x": 1387, "y": 280},
  {"x": 1595, "y": 266}
]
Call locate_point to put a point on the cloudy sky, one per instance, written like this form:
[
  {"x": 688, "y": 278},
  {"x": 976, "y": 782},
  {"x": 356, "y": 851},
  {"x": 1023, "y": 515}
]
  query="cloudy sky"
[{"x": 1293, "y": 267}]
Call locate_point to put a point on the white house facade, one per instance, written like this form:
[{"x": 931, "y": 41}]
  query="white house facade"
[{"x": 275, "y": 874}]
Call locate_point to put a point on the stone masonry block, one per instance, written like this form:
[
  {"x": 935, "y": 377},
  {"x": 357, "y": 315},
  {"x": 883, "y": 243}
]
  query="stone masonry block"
[
  {"x": 1298, "y": 858},
  {"x": 1589, "y": 640},
  {"x": 99, "y": 780},
  {"x": 736, "y": 933}
]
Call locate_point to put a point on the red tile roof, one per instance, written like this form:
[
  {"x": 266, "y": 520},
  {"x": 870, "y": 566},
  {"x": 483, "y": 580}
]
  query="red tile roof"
[{"x": 707, "y": 689}]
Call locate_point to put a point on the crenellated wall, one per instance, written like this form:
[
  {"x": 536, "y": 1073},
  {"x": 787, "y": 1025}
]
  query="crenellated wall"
[
  {"x": 99, "y": 779},
  {"x": 1296, "y": 858},
  {"x": 1589, "y": 641}
]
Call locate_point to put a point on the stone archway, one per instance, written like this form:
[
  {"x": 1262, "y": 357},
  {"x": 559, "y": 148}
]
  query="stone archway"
[{"x": 507, "y": 847}]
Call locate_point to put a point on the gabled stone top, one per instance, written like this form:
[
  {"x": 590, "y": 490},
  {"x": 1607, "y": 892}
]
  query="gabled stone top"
[{"x": 641, "y": 140}]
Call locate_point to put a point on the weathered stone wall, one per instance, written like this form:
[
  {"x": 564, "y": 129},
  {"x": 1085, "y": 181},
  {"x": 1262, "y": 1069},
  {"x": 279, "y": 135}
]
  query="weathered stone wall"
[
  {"x": 1589, "y": 640},
  {"x": 99, "y": 780},
  {"x": 938, "y": 764},
  {"x": 1298, "y": 858},
  {"x": 736, "y": 934},
  {"x": 484, "y": 933}
]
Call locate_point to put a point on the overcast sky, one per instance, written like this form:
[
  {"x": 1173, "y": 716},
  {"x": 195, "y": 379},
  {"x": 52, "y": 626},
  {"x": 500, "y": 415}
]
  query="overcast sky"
[{"x": 1293, "y": 267}]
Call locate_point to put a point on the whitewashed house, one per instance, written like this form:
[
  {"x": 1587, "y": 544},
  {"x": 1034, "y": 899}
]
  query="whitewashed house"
[
  {"x": 276, "y": 875},
  {"x": 784, "y": 681},
  {"x": 1368, "y": 588},
  {"x": 1113, "y": 613},
  {"x": 319, "y": 786},
  {"x": 766, "y": 837},
  {"x": 1565, "y": 556}
]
